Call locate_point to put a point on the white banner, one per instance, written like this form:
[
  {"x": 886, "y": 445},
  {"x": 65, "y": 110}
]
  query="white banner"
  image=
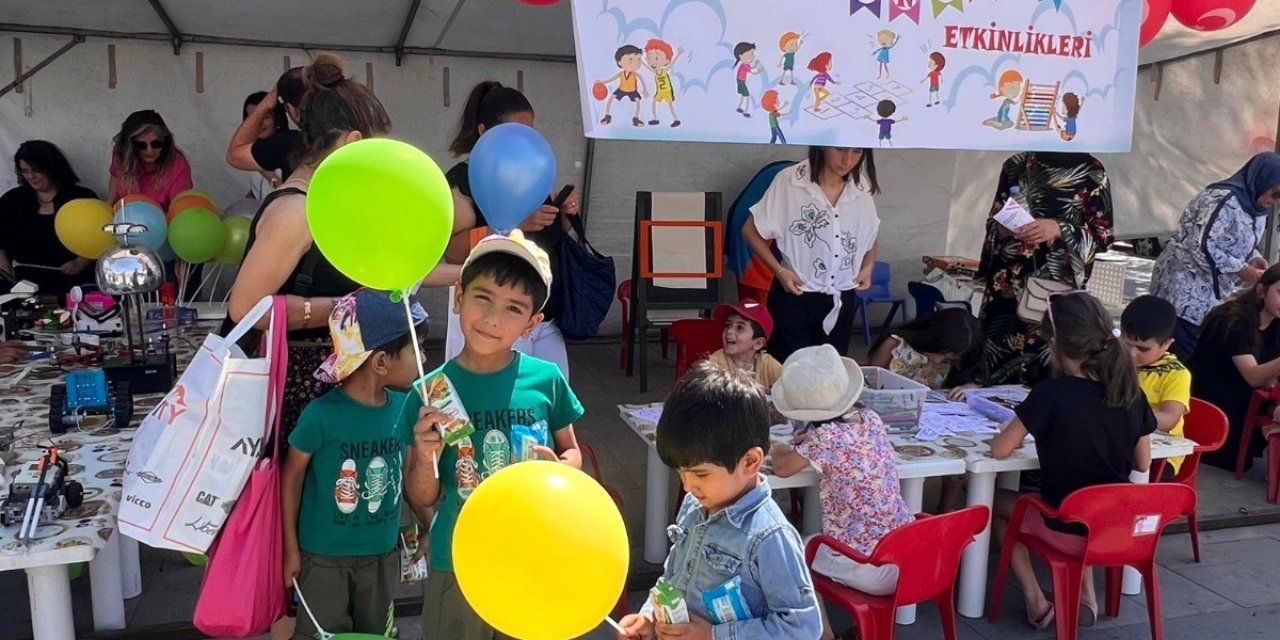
[{"x": 943, "y": 74}]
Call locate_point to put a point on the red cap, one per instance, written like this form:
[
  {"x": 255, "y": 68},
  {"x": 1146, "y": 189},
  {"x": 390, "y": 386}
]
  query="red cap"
[{"x": 749, "y": 309}]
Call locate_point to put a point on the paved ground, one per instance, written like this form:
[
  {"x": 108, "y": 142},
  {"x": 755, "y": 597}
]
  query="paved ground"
[{"x": 1234, "y": 593}]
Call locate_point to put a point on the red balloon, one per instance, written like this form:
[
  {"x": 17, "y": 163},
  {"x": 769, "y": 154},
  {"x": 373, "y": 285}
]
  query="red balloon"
[
  {"x": 1154, "y": 14},
  {"x": 1210, "y": 15}
]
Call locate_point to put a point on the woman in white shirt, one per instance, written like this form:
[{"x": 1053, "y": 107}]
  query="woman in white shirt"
[{"x": 822, "y": 217}]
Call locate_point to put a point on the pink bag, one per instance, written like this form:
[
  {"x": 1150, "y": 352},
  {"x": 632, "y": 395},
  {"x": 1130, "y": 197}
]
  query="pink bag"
[{"x": 243, "y": 592}]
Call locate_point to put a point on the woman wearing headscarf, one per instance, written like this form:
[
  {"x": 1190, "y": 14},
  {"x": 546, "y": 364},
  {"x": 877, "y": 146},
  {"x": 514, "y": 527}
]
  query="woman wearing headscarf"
[
  {"x": 1069, "y": 196},
  {"x": 1214, "y": 249}
]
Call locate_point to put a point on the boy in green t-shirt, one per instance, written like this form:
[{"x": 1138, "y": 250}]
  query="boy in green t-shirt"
[
  {"x": 520, "y": 406},
  {"x": 343, "y": 475}
]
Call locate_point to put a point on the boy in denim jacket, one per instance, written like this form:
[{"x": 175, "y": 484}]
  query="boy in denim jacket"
[{"x": 736, "y": 560}]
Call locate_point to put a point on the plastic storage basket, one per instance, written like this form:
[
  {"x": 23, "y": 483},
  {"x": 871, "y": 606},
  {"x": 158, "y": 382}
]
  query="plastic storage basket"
[{"x": 897, "y": 399}]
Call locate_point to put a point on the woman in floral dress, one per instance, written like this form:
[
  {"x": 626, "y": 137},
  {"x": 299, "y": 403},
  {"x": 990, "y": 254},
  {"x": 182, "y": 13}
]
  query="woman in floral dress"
[{"x": 1070, "y": 198}]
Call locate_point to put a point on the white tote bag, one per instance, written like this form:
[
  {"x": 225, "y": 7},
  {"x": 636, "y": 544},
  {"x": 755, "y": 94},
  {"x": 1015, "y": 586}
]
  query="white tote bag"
[{"x": 194, "y": 452}]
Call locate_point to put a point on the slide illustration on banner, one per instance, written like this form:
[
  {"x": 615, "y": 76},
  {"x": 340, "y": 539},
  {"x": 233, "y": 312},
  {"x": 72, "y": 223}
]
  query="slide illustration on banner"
[{"x": 991, "y": 74}]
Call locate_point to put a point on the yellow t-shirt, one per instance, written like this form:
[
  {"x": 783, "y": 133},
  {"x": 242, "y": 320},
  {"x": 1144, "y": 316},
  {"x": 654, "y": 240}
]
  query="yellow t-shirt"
[
  {"x": 1165, "y": 380},
  {"x": 767, "y": 368}
]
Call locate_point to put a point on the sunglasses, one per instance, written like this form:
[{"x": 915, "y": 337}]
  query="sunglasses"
[
  {"x": 1049, "y": 306},
  {"x": 139, "y": 145}
]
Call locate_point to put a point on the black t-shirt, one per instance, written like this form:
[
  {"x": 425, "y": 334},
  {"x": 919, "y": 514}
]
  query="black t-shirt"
[
  {"x": 547, "y": 238},
  {"x": 27, "y": 236},
  {"x": 1215, "y": 378},
  {"x": 274, "y": 153},
  {"x": 1080, "y": 440}
]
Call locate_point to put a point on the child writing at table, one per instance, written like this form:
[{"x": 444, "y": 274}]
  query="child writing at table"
[
  {"x": 1091, "y": 425},
  {"x": 1147, "y": 326},
  {"x": 734, "y": 558},
  {"x": 848, "y": 446},
  {"x": 944, "y": 350},
  {"x": 941, "y": 350}
]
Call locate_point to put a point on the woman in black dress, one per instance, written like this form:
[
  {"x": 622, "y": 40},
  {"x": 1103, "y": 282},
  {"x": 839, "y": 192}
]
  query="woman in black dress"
[{"x": 29, "y": 248}]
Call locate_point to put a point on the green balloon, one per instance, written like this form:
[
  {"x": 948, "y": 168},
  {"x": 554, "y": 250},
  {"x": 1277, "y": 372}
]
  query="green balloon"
[
  {"x": 196, "y": 235},
  {"x": 381, "y": 212},
  {"x": 237, "y": 238},
  {"x": 195, "y": 559}
]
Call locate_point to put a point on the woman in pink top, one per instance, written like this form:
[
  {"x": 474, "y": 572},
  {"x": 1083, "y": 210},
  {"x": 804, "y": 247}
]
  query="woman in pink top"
[{"x": 146, "y": 161}]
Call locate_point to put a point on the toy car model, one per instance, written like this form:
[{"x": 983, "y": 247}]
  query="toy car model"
[{"x": 88, "y": 393}]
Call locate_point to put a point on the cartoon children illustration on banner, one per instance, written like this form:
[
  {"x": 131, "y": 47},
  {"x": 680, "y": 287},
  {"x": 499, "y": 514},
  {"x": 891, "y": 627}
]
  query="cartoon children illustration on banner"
[
  {"x": 1020, "y": 69},
  {"x": 821, "y": 65},
  {"x": 744, "y": 56},
  {"x": 789, "y": 44},
  {"x": 776, "y": 107},
  {"x": 630, "y": 85},
  {"x": 660, "y": 60}
]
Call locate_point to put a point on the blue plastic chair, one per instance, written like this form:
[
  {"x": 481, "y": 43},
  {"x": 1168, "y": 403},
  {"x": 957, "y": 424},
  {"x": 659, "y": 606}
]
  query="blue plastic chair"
[
  {"x": 879, "y": 293},
  {"x": 929, "y": 298}
]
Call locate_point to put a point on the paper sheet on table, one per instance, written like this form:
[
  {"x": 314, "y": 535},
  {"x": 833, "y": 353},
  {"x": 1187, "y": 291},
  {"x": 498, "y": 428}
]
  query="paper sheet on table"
[
  {"x": 647, "y": 414},
  {"x": 1014, "y": 216},
  {"x": 949, "y": 418}
]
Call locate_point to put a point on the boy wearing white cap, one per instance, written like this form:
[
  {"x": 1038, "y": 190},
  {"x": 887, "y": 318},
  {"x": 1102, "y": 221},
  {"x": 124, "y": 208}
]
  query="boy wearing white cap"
[
  {"x": 848, "y": 446},
  {"x": 506, "y": 393}
]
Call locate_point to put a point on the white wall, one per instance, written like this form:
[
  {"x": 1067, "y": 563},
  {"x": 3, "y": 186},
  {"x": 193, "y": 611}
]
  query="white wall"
[{"x": 72, "y": 106}]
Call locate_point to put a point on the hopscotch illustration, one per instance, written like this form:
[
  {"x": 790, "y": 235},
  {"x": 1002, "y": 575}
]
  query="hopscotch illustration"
[
  {"x": 1038, "y": 112},
  {"x": 860, "y": 103}
]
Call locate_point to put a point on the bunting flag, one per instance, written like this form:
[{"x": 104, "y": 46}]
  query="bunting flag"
[
  {"x": 872, "y": 6},
  {"x": 941, "y": 5},
  {"x": 908, "y": 8}
]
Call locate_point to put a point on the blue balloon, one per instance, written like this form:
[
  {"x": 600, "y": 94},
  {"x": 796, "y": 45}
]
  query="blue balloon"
[
  {"x": 149, "y": 216},
  {"x": 512, "y": 170}
]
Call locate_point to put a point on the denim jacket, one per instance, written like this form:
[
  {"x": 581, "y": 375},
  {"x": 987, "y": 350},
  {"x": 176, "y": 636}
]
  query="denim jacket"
[{"x": 752, "y": 540}]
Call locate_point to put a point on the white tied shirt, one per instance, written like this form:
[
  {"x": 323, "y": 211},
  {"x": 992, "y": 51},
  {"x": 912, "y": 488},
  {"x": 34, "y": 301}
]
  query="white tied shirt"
[{"x": 821, "y": 243}]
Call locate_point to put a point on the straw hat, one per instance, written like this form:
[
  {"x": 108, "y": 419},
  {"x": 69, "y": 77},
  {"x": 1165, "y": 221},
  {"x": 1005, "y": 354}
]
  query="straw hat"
[{"x": 817, "y": 384}]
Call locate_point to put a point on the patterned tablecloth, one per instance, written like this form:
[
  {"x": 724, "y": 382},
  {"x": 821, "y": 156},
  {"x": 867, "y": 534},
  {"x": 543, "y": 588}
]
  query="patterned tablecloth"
[{"x": 96, "y": 459}]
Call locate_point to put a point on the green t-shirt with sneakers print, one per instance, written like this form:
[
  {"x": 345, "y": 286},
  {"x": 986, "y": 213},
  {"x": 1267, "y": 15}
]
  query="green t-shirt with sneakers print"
[
  {"x": 529, "y": 393},
  {"x": 352, "y": 489}
]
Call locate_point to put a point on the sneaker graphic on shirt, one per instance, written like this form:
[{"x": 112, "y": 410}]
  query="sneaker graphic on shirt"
[
  {"x": 346, "y": 491},
  {"x": 465, "y": 468},
  {"x": 375, "y": 483},
  {"x": 497, "y": 453}
]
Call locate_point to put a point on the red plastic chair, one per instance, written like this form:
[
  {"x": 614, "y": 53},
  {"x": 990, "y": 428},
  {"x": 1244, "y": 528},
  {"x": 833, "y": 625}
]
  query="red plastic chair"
[
  {"x": 696, "y": 338},
  {"x": 1207, "y": 425},
  {"x": 921, "y": 576},
  {"x": 624, "y": 352},
  {"x": 621, "y": 609},
  {"x": 1259, "y": 414},
  {"x": 1124, "y": 522}
]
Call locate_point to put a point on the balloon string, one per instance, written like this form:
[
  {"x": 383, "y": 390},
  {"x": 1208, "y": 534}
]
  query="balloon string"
[
  {"x": 417, "y": 353},
  {"x": 613, "y": 623}
]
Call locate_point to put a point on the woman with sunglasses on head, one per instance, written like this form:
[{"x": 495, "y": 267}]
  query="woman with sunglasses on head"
[
  {"x": 1069, "y": 196},
  {"x": 29, "y": 247},
  {"x": 1091, "y": 424},
  {"x": 146, "y": 161}
]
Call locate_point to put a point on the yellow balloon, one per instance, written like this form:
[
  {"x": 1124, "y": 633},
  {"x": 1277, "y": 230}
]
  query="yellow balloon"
[
  {"x": 540, "y": 551},
  {"x": 78, "y": 224}
]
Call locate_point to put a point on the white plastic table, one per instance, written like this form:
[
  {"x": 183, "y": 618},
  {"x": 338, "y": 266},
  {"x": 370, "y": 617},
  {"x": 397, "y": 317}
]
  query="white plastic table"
[
  {"x": 84, "y": 534},
  {"x": 914, "y": 460}
]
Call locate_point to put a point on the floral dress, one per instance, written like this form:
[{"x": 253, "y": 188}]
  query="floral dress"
[{"x": 1071, "y": 189}]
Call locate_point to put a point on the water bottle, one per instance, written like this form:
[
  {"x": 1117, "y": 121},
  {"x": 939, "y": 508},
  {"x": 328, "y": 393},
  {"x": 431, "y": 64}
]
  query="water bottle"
[{"x": 1015, "y": 192}]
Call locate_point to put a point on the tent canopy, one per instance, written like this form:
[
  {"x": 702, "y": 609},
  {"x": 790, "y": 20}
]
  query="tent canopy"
[{"x": 485, "y": 28}]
